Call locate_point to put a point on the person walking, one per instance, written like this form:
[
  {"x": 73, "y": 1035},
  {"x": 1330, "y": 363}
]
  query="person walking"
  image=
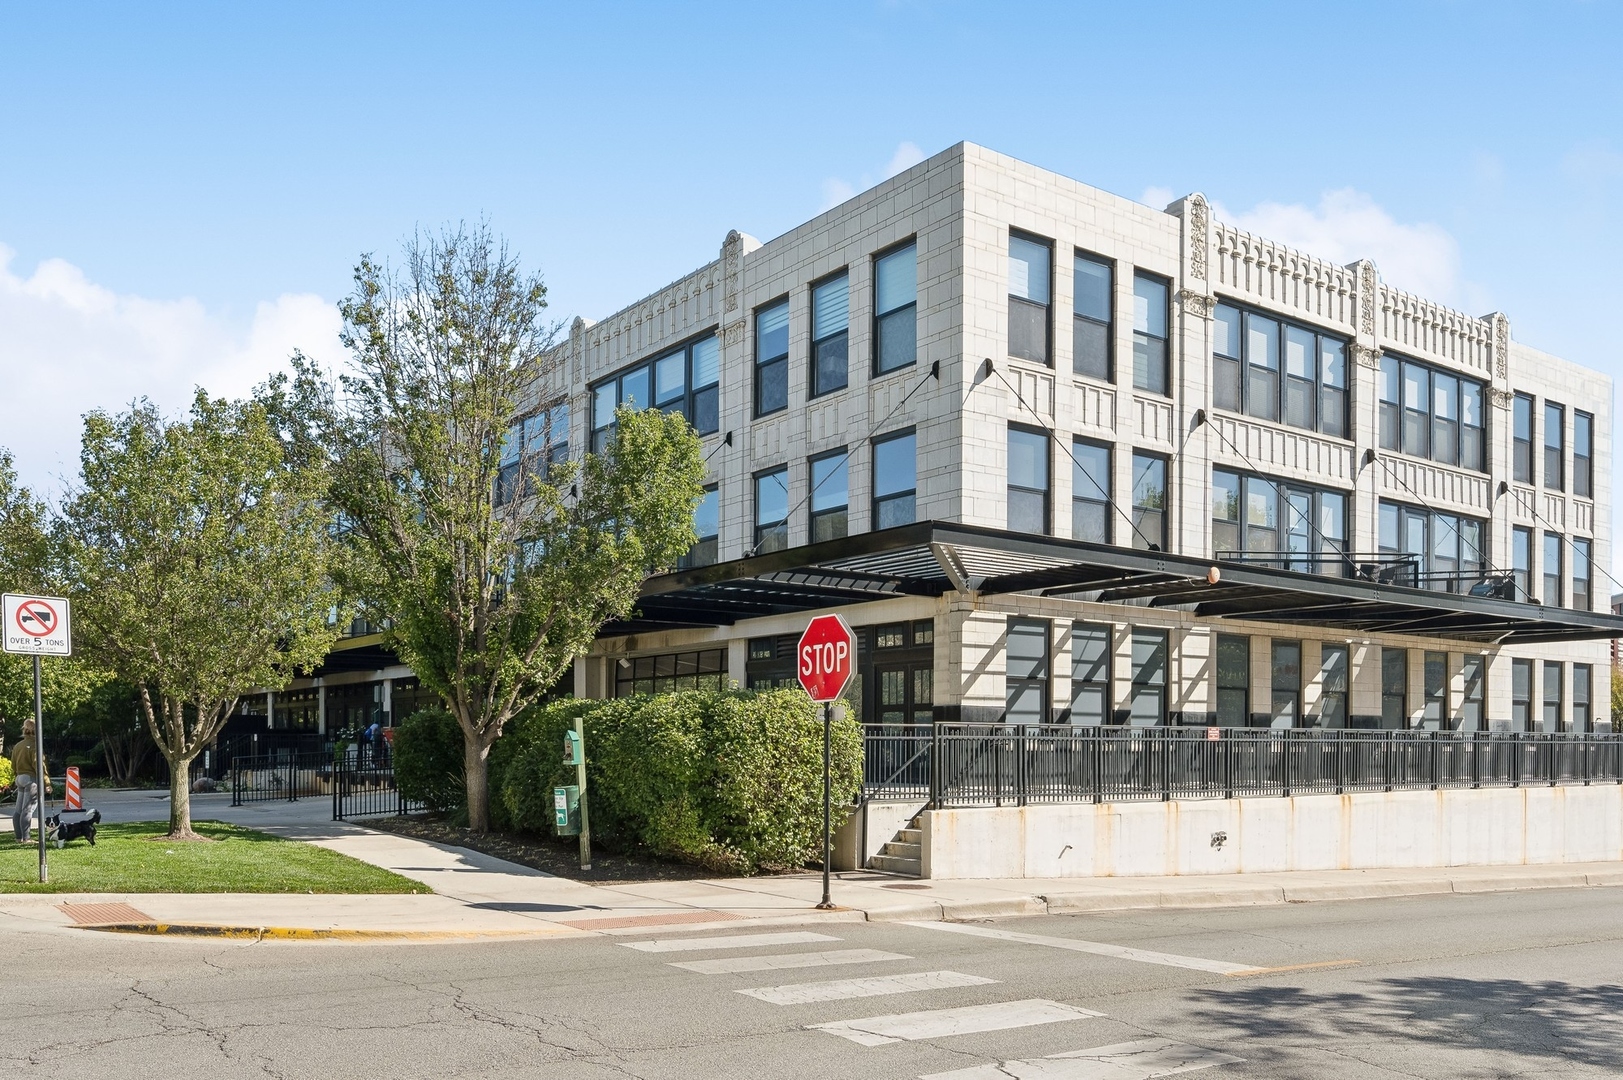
[{"x": 28, "y": 768}]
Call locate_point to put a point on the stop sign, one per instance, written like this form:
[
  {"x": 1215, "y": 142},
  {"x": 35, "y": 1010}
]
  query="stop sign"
[{"x": 825, "y": 657}]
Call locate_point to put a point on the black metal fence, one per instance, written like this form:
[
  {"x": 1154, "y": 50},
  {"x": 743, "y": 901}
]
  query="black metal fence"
[
  {"x": 955, "y": 765},
  {"x": 285, "y": 777},
  {"x": 363, "y": 785}
]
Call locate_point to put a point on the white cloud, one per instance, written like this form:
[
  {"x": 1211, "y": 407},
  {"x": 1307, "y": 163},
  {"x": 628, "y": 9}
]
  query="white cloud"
[
  {"x": 1158, "y": 197},
  {"x": 1348, "y": 225},
  {"x": 69, "y": 345},
  {"x": 837, "y": 189}
]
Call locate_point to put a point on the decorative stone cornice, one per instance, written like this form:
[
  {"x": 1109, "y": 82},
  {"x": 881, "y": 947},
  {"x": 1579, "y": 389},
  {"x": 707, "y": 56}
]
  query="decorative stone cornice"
[
  {"x": 1199, "y": 216},
  {"x": 1366, "y": 297},
  {"x": 1197, "y": 303},
  {"x": 1364, "y": 356},
  {"x": 1501, "y": 398}
]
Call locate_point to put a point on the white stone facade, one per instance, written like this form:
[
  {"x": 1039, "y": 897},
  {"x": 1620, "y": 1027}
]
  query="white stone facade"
[{"x": 959, "y": 208}]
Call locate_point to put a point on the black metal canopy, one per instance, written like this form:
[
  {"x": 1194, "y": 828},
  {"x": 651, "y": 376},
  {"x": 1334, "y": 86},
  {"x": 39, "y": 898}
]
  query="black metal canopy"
[{"x": 931, "y": 558}]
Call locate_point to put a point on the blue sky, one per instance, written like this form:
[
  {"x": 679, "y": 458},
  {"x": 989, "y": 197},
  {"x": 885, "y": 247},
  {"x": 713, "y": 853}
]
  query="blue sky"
[{"x": 185, "y": 188}]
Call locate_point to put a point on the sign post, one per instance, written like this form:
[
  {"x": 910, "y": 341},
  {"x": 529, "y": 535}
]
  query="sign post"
[
  {"x": 37, "y": 626},
  {"x": 825, "y": 659}
]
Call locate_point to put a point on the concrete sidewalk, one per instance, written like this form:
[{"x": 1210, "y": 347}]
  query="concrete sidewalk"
[{"x": 482, "y": 896}]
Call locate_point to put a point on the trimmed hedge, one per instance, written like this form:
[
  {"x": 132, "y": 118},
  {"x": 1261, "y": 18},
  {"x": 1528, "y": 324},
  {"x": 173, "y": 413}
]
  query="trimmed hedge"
[
  {"x": 731, "y": 780},
  {"x": 428, "y": 760}
]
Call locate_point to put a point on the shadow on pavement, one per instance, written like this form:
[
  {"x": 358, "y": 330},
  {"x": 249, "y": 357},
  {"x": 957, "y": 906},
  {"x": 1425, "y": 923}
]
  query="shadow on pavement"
[{"x": 1549, "y": 1019}]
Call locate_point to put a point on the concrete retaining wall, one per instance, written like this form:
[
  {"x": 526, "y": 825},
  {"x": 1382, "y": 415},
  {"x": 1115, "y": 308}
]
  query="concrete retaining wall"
[{"x": 1484, "y": 827}]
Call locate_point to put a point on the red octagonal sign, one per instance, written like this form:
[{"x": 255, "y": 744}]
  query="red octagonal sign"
[{"x": 825, "y": 657}]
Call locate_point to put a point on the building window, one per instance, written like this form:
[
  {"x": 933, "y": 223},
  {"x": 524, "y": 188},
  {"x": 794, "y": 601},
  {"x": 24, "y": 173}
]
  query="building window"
[
  {"x": 1394, "y": 688},
  {"x": 830, "y": 496},
  {"x": 1334, "y": 686},
  {"x": 684, "y": 380},
  {"x": 535, "y": 445},
  {"x": 1149, "y": 502},
  {"x": 703, "y": 670},
  {"x": 1030, "y": 266},
  {"x": 1247, "y": 350},
  {"x": 1090, "y": 674},
  {"x": 1552, "y": 570},
  {"x": 772, "y": 510},
  {"x": 1552, "y": 696},
  {"x": 1441, "y": 414},
  {"x": 1473, "y": 703},
  {"x": 1026, "y": 662},
  {"x": 1233, "y": 680},
  {"x": 1091, "y": 336},
  {"x": 1521, "y": 695},
  {"x": 831, "y": 335},
  {"x": 1581, "y": 563},
  {"x": 895, "y": 480},
  {"x": 1583, "y": 454},
  {"x": 1521, "y": 458},
  {"x": 1443, "y": 552},
  {"x": 1150, "y": 368},
  {"x": 1028, "y": 481},
  {"x": 1090, "y": 492},
  {"x": 1434, "y": 710},
  {"x": 772, "y": 358},
  {"x": 1286, "y": 683},
  {"x": 1292, "y": 527},
  {"x": 896, "y": 295},
  {"x": 1521, "y": 561},
  {"x": 1582, "y": 682},
  {"x": 707, "y": 526},
  {"x": 1555, "y": 432},
  {"x": 1148, "y": 705}
]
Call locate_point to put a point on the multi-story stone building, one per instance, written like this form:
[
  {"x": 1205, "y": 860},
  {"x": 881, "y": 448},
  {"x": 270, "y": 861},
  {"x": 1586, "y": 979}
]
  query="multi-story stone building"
[{"x": 1061, "y": 457}]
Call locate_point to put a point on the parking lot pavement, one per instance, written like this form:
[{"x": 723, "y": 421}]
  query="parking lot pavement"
[{"x": 1443, "y": 986}]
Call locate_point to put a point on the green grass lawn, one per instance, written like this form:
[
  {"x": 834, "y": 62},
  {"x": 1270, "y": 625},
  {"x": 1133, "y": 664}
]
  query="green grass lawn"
[{"x": 135, "y": 858}]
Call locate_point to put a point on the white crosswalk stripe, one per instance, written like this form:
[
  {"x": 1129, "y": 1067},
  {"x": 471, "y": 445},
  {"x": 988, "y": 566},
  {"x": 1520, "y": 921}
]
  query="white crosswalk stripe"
[
  {"x": 735, "y": 941},
  {"x": 726, "y": 964},
  {"x": 1139, "y": 1060},
  {"x": 876, "y": 986},
  {"x": 965, "y": 1020},
  {"x": 1098, "y": 948}
]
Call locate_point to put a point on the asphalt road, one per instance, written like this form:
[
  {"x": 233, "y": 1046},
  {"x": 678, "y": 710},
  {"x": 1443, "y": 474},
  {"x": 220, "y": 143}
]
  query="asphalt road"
[{"x": 1497, "y": 985}]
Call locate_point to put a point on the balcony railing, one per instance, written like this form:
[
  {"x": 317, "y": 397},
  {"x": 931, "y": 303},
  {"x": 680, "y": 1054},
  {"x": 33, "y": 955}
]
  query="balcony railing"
[
  {"x": 958, "y": 765},
  {"x": 1384, "y": 569}
]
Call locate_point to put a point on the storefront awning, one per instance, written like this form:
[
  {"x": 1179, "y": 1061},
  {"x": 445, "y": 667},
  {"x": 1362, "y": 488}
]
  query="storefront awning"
[{"x": 931, "y": 558}]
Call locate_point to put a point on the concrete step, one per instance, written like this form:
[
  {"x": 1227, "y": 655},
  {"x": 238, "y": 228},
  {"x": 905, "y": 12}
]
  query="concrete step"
[
  {"x": 901, "y": 850},
  {"x": 911, "y": 835},
  {"x": 893, "y": 864}
]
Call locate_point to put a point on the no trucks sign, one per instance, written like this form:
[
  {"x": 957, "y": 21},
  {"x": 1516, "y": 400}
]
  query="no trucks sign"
[{"x": 37, "y": 625}]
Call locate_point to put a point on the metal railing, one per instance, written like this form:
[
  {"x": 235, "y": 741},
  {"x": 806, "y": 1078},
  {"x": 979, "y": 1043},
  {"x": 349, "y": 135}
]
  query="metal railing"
[
  {"x": 364, "y": 785},
  {"x": 279, "y": 777},
  {"x": 956, "y": 765}
]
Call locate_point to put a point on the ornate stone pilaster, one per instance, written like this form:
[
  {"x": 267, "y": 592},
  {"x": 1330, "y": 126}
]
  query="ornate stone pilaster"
[
  {"x": 1501, "y": 398},
  {"x": 1366, "y": 297},
  {"x": 732, "y": 269},
  {"x": 1199, "y": 219},
  {"x": 1197, "y": 303},
  {"x": 1364, "y": 356}
]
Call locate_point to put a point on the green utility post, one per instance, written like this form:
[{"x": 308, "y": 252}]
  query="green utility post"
[{"x": 570, "y": 802}]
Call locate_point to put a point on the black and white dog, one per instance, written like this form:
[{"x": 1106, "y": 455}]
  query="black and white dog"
[{"x": 83, "y": 829}]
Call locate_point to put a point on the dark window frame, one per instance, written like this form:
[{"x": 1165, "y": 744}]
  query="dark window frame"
[
  {"x": 1583, "y": 465},
  {"x": 814, "y": 387},
  {"x": 1147, "y": 337},
  {"x": 1324, "y": 555},
  {"x": 1559, "y": 429},
  {"x": 1435, "y": 705},
  {"x": 546, "y": 446},
  {"x": 781, "y": 526},
  {"x": 695, "y": 402},
  {"x": 1553, "y": 582},
  {"x": 1095, "y": 681},
  {"x": 1228, "y": 686},
  {"x": 1321, "y": 392},
  {"x": 1108, "y": 325},
  {"x": 1521, "y": 453},
  {"x": 699, "y": 555},
  {"x": 1521, "y": 694},
  {"x": 878, "y": 500},
  {"x": 1047, "y": 359},
  {"x": 1552, "y": 708},
  {"x": 1283, "y": 690},
  {"x": 1521, "y": 561},
  {"x": 1340, "y": 717},
  {"x": 1438, "y": 526},
  {"x": 1417, "y": 425},
  {"x": 1046, "y": 492},
  {"x": 762, "y": 364},
  {"x": 1582, "y": 549},
  {"x": 1105, "y": 499},
  {"x": 844, "y": 509},
  {"x": 1474, "y": 693},
  {"x": 1581, "y": 710},
  {"x": 1140, "y": 538},
  {"x": 1394, "y": 699},
  {"x": 1156, "y": 687},
  {"x": 1041, "y": 682},
  {"x": 883, "y": 318}
]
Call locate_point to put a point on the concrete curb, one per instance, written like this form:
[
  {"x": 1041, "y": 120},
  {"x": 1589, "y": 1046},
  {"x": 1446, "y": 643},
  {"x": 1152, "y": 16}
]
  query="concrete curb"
[{"x": 300, "y": 933}]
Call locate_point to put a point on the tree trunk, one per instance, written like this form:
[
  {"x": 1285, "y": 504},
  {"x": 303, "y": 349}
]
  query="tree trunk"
[
  {"x": 180, "y": 799},
  {"x": 476, "y": 771}
]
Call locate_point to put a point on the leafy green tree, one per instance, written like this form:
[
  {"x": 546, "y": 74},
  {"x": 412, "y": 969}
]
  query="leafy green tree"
[
  {"x": 492, "y": 565},
  {"x": 196, "y": 553},
  {"x": 24, "y": 547}
]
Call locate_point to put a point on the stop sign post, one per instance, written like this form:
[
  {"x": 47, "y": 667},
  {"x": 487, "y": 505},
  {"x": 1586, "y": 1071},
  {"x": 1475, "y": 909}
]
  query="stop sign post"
[{"x": 824, "y": 661}]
